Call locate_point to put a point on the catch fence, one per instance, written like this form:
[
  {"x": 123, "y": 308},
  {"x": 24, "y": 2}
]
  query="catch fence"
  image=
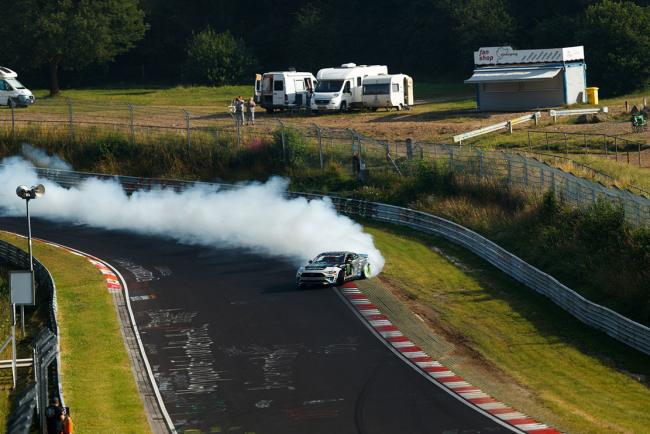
[{"x": 303, "y": 145}]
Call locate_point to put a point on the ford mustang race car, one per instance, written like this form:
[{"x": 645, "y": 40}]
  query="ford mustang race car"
[{"x": 333, "y": 268}]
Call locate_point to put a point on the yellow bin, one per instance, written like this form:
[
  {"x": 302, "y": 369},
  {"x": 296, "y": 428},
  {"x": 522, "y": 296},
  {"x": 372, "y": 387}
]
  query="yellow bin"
[{"x": 592, "y": 95}]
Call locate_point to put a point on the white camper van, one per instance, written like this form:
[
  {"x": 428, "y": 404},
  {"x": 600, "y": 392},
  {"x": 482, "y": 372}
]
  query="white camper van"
[
  {"x": 340, "y": 88},
  {"x": 284, "y": 89},
  {"x": 12, "y": 92},
  {"x": 388, "y": 91}
]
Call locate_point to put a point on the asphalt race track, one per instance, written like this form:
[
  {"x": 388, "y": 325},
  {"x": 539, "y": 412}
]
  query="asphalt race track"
[{"x": 236, "y": 348}]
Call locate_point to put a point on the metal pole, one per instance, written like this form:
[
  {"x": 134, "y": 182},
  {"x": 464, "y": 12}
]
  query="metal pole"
[
  {"x": 606, "y": 150},
  {"x": 529, "y": 147},
  {"x": 547, "y": 147},
  {"x": 70, "y": 120},
  {"x": 131, "y": 123},
  {"x": 13, "y": 345},
  {"x": 566, "y": 144},
  {"x": 186, "y": 115},
  {"x": 13, "y": 124},
  {"x": 639, "y": 154},
  {"x": 320, "y": 145},
  {"x": 31, "y": 264}
]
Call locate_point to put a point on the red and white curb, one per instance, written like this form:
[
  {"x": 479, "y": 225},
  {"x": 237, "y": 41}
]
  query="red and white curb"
[{"x": 436, "y": 371}]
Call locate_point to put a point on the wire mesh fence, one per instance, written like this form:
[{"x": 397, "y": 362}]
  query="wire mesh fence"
[{"x": 308, "y": 145}]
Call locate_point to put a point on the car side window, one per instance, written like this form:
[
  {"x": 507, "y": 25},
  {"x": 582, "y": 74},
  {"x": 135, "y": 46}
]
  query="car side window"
[
  {"x": 3, "y": 85},
  {"x": 346, "y": 89},
  {"x": 358, "y": 81}
]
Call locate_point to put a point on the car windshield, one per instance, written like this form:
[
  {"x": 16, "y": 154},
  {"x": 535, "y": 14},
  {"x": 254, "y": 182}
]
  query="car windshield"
[
  {"x": 376, "y": 89},
  {"x": 329, "y": 259},
  {"x": 15, "y": 83},
  {"x": 329, "y": 86}
]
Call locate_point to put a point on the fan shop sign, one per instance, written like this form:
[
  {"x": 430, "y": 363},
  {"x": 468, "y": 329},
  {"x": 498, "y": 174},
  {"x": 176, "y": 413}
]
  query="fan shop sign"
[{"x": 508, "y": 56}]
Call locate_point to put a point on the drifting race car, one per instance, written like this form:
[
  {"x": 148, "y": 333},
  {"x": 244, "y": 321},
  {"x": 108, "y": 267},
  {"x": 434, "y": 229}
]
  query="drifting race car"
[{"x": 333, "y": 268}]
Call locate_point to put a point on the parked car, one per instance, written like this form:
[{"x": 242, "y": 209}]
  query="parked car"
[
  {"x": 333, "y": 268},
  {"x": 12, "y": 92}
]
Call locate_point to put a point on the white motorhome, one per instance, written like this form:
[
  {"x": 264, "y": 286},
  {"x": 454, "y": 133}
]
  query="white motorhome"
[
  {"x": 388, "y": 91},
  {"x": 340, "y": 88},
  {"x": 284, "y": 89},
  {"x": 12, "y": 92}
]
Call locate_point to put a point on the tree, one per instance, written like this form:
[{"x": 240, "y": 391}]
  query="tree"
[
  {"x": 217, "y": 58},
  {"x": 617, "y": 41}
]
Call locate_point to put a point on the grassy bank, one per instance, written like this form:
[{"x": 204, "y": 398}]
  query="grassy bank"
[
  {"x": 98, "y": 383},
  {"x": 513, "y": 343}
]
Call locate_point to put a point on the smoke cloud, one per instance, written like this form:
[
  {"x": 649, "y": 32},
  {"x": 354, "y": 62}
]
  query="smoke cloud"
[
  {"x": 41, "y": 159},
  {"x": 256, "y": 216}
]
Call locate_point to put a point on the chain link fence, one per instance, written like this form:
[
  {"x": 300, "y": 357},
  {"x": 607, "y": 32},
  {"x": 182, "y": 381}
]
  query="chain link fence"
[{"x": 307, "y": 145}]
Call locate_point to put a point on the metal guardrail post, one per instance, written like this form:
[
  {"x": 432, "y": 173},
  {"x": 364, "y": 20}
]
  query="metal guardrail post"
[
  {"x": 70, "y": 119},
  {"x": 284, "y": 144}
]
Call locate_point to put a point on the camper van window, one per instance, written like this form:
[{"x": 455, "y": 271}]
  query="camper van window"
[
  {"x": 15, "y": 83},
  {"x": 376, "y": 89},
  {"x": 3, "y": 85},
  {"x": 278, "y": 85},
  {"x": 329, "y": 86},
  {"x": 358, "y": 81},
  {"x": 346, "y": 89},
  {"x": 395, "y": 87}
]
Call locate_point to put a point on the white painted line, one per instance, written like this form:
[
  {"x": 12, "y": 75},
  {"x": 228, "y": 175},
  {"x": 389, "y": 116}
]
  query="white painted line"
[
  {"x": 402, "y": 344},
  {"x": 393, "y": 334},
  {"x": 511, "y": 415},
  {"x": 457, "y": 384},
  {"x": 360, "y": 301},
  {"x": 442, "y": 374},
  {"x": 367, "y": 312},
  {"x": 476, "y": 394},
  {"x": 414, "y": 354},
  {"x": 380, "y": 322},
  {"x": 531, "y": 426},
  {"x": 491, "y": 405},
  {"x": 433, "y": 364}
]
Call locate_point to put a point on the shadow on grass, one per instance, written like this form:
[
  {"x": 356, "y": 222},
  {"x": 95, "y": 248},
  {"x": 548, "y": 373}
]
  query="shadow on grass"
[{"x": 551, "y": 322}]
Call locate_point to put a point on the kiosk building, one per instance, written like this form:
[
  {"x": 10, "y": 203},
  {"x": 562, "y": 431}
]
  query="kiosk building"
[{"x": 511, "y": 80}]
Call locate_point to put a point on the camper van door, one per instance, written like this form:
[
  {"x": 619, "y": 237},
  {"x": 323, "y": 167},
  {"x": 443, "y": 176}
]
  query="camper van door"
[
  {"x": 278, "y": 90},
  {"x": 6, "y": 92}
]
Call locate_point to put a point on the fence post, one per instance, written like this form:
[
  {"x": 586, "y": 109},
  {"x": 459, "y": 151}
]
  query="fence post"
[
  {"x": 131, "y": 123},
  {"x": 616, "y": 147},
  {"x": 70, "y": 120},
  {"x": 13, "y": 123},
  {"x": 284, "y": 143},
  {"x": 547, "y": 147},
  {"x": 541, "y": 178},
  {"x": 186, "y": 115},
  {"x": 585, "y": 136},
  {"x": 529, "y": 147},
  {"x": 639, "y": 154},
  {"x": 606, "y": 149},
  {"x": 566, "y": 144},
  {"x": 451, "y": 159},
  {"x": 553, "y": 180},
  {"x": 525, "y": 172},
  {"x": 509, "y": 162},
  {"x": 480, "y": 163},
  {"x": 509, "y": 126},
  {"x": 320, "y": 145}
]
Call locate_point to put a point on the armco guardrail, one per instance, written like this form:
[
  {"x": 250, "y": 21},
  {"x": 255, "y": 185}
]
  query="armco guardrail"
[
  {"x": 46, "y": 349},
  {"x": 575, "y": 112},
  {"x": 617, "y": 326},
  {"x": 507, "y": 125}
]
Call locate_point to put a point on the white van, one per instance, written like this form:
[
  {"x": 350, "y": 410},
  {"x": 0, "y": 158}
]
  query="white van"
[
  {"x": 284, "y": 89},
  {"x": 340, "y": 88},
  {"x": 388, "y": 91},
  {"x": 12, "y": 92}
]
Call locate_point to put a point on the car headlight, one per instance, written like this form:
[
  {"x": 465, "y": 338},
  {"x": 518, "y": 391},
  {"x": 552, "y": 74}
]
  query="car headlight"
[
  {"x": 331, "y": 273},
  {"x": 336, "y": 95}
]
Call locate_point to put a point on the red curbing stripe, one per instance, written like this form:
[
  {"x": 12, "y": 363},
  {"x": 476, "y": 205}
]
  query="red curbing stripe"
[
  {"x": 398, "y": 339},
  {"x": 422, "y": 359},
  {"x": 386, "y": 328},
  {"x": 356, "y": 296},
  {"x": 367, "y": 306},
  {"x": 376, "y": 317},
  {"x": 440, "y": 369},
  {"x": 501, "y": 410},
  {"x": 486, "y": 400},
  {"x": 114, "y": 285},
  {"x": 522, "y": 421},
  {"x": 411, "y": 349},
  {"x": 543, "y": 431},
  {"x": 350, "y": 285},
  {"x": 451, "y": 379}
]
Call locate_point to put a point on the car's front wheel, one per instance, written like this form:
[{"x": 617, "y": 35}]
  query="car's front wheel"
[
  {"x": 366, "y": 271},
  {"x": 340, "y": 279}
]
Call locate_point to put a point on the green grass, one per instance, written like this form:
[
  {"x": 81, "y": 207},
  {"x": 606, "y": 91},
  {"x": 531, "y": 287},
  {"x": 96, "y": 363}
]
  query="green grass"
[
  {"x": 558, "y": 370},
  {"x": 98, "y": 383},
  {"x": 179, "y": 96}
]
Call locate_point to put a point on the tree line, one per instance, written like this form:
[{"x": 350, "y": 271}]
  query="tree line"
[{"x": 106, "y": 42}]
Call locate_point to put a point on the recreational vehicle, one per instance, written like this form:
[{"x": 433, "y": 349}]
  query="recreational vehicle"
[
  {"x": 388, "y": 91},
  {"x": 340, "y": 88},
  {"x": 284, "y": 89},
  {"x": 12, "y": 92}
]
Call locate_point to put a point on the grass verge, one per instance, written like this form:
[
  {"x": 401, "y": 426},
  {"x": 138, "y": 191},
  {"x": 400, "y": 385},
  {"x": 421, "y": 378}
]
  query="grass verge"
[
  {"x": 513, "y": 343},
  {"x": 98, "y": 383}
]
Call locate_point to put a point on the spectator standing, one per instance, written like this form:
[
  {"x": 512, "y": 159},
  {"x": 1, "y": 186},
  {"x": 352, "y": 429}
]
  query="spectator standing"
[
  {"x": 239, "y": 111},
  {"x": 356, "y": 163},
  {"x": 54, "y": 417},
  {"x": 68, "y": 426},
  {"x": 250, "y": 111}
]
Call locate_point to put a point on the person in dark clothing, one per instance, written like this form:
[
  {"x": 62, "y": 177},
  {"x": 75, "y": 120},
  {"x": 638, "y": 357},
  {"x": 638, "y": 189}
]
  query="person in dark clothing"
[
  {"x": 356, "y": 163},
  {"x": 54, "y": 417}
]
